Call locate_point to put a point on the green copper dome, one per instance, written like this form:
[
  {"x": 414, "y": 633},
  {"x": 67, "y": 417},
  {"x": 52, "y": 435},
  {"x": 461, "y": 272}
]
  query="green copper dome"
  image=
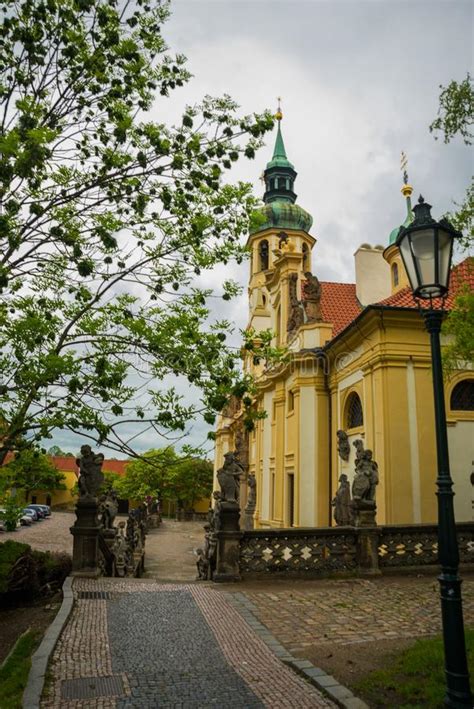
[
  {"x": 282, "y": 215},
  {"x": 280, "y": 210}
]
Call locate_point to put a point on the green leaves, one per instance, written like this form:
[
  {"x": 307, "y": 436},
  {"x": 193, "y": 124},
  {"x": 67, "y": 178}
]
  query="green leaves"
[{"x": 108, "y": 218}]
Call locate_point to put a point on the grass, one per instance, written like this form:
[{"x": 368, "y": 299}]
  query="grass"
[
  {"x": 415, "y": 678},
  {"x": 14, "y": 672}
]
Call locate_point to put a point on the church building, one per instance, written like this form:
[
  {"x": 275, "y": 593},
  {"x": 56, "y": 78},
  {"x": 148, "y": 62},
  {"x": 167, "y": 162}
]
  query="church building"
[{"x": 359, "y": 369}]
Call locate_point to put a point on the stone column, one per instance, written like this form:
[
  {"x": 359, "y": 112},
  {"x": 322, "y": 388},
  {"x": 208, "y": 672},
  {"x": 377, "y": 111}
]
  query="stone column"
[
  {"x": 368, "y": 537},
  {"x": 228, "y": 543},
  {"x": 86, "y": 529}
]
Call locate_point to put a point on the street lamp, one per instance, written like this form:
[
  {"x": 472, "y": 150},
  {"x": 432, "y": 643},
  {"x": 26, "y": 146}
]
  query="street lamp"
[{"x": 426, "y": 247}]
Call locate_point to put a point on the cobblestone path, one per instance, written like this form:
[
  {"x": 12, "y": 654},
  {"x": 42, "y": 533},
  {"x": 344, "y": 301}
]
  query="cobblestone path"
[
  {"x": 355, "y": 611},
  {"x": 147, "y": 645}
]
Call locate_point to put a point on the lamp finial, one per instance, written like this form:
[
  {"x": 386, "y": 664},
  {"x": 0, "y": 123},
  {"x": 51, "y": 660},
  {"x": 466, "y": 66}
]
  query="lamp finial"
[{"x": 279, "y": 114}]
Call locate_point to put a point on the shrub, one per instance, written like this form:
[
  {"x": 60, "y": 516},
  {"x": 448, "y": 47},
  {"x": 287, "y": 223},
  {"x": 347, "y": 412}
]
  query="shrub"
[{"x": 28, "y": 573}]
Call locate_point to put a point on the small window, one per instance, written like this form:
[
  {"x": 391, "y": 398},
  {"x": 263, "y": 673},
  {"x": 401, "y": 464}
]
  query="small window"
[
  {"x": 33, "y": 499},
  {"x": 462, "y": 396},
  {"x": 395, "y": 275},
  {"x": 48, "y": 500},
  {"x": 355, "y": 416},
  {"x": 263, "y": 253},
  {"x": 291, "y": 401}
]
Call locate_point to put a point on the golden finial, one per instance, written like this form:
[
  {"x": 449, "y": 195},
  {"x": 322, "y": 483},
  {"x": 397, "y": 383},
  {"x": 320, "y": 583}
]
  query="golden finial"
[
  {"x": 406, "y": 189},
  {"x": 279, "y": 114}
]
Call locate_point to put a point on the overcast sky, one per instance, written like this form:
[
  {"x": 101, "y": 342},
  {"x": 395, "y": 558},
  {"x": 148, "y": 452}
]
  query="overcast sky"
[{"x": 359, "y": 82}]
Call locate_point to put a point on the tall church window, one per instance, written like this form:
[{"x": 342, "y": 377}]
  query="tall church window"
[
  {"x": 462, "y": 396},
  {"x": 355, "y": 416},
  {"x": 395, "y": 277},
  {"x": 263, "y": 253},
  {"x": 305, "y": 258}
]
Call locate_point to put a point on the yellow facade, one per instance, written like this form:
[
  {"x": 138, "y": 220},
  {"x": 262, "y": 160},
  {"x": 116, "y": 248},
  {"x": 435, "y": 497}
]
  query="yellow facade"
[{"x": 382, "y": 356}]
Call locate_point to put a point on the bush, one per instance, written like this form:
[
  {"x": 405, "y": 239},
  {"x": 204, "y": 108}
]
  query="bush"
[
  {"x": 27, "y": 574},
  {"x": 11, "y": 513}
]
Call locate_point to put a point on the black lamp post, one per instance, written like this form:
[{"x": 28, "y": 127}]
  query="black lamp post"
[{"x": 426, "y": 247}]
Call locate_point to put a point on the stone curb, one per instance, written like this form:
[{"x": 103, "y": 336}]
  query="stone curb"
[
  {"x": 40, "y": 659},
  {"x": 328, "y": 685}
]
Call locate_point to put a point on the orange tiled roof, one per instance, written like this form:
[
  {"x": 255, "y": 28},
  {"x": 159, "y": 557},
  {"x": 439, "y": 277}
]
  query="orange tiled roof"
[
  {"x": 339, "y": 304},
  {"x": 461, "y": 274},
  {"x": 67, "y": 463}
]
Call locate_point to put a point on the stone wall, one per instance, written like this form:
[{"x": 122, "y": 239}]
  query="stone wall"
[{"x": 313, "y": 552}]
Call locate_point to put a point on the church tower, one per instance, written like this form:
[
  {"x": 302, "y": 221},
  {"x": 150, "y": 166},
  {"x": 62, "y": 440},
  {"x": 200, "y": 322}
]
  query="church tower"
[{"x": 280, "y": 245}]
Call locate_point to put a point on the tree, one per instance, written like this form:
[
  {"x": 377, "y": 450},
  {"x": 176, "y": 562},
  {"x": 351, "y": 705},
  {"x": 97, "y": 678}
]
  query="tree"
[
  {"x": 455, "y": 117},
  {"x": 107, "y": 217},
  {"x": 147, "y": 475},
  {"x": 165, "y": 474},
  {"x": 30, "y": 470},
  {"x": 57, "y": 451},
  {"x": 188, "y": 481}
]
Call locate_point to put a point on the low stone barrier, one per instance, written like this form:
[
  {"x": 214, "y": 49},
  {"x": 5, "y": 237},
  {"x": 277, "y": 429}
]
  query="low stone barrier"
[{"x": 324, "y": 551}]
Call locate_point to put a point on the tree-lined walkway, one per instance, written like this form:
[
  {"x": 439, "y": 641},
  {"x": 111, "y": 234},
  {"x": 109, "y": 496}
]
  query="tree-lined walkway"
[{"x": 142, "y": 644}]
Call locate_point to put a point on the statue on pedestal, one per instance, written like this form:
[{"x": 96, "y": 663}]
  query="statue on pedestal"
[
  {"x": 91, "y": 477},
  {"x": 364, "y": 486},
  {"x": 342, "y": 503},
  {"x": 228, "y": 478},
  {"x": 312, "y": 298}
]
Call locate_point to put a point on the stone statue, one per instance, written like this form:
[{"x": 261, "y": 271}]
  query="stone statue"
[
  {"x": 228, "y": 478},
  {"x": 242, "y": 444},
  {"x": 251, "y": 502},
  {"x": 121, "y": 551},
  {"x": 343, "y": 447},
  {"x": 312, "y": 298},
  {"x": 91, "y": 477},
  {"x": 214, "y": 515},
  {"x": 296, "y": 312},
  {"x": 342, "y": 502},
  {"x": 366, "y": 475},
  {"x": 108, "y": 508},
  {"x": 252, "y": 495}
]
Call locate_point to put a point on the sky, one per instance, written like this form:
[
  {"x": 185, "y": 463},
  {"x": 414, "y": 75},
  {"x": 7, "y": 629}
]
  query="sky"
[{"x": 359, "y": 82}]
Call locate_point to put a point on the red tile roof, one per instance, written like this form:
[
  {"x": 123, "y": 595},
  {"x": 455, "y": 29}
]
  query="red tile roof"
[
  {"x": 67, "y": 463},
  {"x": 461, "y": 274},
  {"x": 339, "y": 304}
]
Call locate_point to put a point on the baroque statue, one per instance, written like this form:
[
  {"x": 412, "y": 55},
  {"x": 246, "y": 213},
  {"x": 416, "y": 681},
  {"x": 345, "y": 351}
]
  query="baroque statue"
[
  {"x": 343, "y": 447},
  {"x": 228, "y": 478},
  {"x": 366, "y": 476},
  {"x": 296, "y": 312},
  {"x": 312, "y": 298},
  {"x": 91, "y": 477},
  {"x": 342, "y": 502},
  {"x": 108, "y": 508}
]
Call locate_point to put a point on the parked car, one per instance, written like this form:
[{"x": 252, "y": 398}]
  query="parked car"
[
  {"x": 2, "y": 526},
  {"x": 44, "y": 510},
  {"x": 31, "y": 513},
  {"x": 26, "y": 520},
  {"x": 39, "y": 511}
]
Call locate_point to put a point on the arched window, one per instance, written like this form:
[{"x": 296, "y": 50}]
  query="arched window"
[
  {"x": 395, "y": 278},
  {"x": 263, "y": 253},
  {"x": 354, "y": 414},
  {"x": 462, "y": 396},
  {"x": 305, "y": 258}
]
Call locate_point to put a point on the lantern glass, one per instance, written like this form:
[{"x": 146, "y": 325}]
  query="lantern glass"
[
  {"x": 423, "y": 244},
  {"x": 445, "y": 250},
  {"x": 409, "y": 262}
]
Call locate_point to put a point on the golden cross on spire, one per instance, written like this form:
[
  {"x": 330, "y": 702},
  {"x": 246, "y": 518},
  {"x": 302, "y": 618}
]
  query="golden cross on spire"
[
  {"x": 279, "y": 114},
  {"x": 403, "y": 166}
]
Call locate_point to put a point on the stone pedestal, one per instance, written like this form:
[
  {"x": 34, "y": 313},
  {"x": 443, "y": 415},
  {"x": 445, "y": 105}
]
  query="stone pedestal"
[
  {"x": 228, "y": 543},
  {"x": 248, "y": 517},
  {"x": 368, "y": 537},
  {"x": 86, "y": 529}
]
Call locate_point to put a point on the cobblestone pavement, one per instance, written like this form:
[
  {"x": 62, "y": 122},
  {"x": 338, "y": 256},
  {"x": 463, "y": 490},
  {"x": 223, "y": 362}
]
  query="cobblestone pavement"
[
  {"x": 143, "y": 644},
  {"x": 49, "y": 534},
  {"x": 306, "y": 614}
]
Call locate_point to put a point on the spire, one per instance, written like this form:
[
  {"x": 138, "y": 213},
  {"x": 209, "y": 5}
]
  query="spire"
[
  {"x": 279, "y": 174},
  {"x": 406, "y": 191}
]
